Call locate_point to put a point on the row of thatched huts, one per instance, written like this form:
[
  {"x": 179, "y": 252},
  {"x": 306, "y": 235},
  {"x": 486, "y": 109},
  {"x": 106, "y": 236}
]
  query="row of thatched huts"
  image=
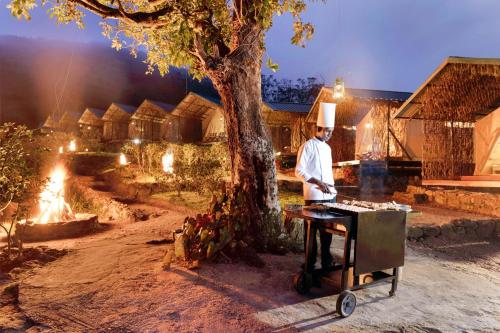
[
  {"x": 199, "y": 118},
  {"x": 434, "y": 125}
]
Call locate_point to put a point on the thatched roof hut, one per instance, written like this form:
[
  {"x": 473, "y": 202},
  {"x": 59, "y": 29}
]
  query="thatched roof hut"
[
  {"x": 50, "y": 125},
  {"x": 91, "y": 123},
  {"x": 200, "y": 118},
  {"x": 69, "y": 122},
  {"x": 116, "y": 121},
  {"x": 147, "y": 121},
  {"x": 286, "y": 123},
  {"x": 351, "y": 110},
  {"x": 457, "y": 94},
  {"x": 282, "y": 120}
]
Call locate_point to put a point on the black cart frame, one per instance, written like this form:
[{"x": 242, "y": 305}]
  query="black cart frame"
[{"x": 345, "y": 226}]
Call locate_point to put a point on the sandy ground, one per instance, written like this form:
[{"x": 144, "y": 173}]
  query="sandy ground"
[{"x": 113, "y": 282}]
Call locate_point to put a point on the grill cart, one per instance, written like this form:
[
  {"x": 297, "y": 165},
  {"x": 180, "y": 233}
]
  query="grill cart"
[{"x": 378, "y": 237}]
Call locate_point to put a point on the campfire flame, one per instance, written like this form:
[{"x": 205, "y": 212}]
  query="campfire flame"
[
  {"x": 168, "y": 162},
  {"x": 53, "y": 208}
]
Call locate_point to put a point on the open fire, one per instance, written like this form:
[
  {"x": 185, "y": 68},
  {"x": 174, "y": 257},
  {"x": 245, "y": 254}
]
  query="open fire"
[
  {"x": 53, "y": 207},
  {"x": 56, "y": 219}
]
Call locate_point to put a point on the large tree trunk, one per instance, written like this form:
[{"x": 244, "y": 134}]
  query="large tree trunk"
[{"x": 250, "y": 147}]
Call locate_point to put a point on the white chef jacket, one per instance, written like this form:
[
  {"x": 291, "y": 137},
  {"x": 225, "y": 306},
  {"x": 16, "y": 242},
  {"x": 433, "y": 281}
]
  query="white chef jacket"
[{"x": 315, "y": 160}]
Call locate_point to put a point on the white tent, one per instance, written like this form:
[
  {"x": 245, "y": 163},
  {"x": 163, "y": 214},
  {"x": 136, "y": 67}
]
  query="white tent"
[
  {"x": 487, "y": 144},
  {"x": 213, "y": 126},
  {"x": 371, "y": 138}
]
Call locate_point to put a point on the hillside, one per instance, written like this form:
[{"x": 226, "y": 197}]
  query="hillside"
[{"x": 39, "y": 77}]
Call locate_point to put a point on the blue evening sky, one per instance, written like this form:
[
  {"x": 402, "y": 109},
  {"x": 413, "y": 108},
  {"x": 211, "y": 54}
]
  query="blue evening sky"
[{"x": 378, "y": 44}]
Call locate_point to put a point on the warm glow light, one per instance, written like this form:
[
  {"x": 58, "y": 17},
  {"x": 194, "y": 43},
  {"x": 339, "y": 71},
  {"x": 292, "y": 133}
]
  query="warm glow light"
[
  {"x": 137, "y": 141},
  {"x": 89, "y": 128},
  {"x": 123, "y": 159},
  {"x": 72, "y": 145},
  {"x": 369, "y": 125},
  {"x": 53, "y": 208},
  {"x": 86, "y": 149},
  {"x": 167, "y": 161},
  {"x": 61, "y": 150},
  {"x": 338, "y": 89},
  {"x": 459, "y": 124},
  {"x": 278, "y": 153}
]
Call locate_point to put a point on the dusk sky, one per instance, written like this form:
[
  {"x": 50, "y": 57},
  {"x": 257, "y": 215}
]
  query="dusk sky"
[{"x": 383, "y": 44}]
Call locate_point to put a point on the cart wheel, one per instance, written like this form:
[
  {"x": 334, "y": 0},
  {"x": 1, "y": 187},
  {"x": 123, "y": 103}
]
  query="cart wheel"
[
  {"x": 346, "y": 303},
  {"x": 302, "y": 282}
]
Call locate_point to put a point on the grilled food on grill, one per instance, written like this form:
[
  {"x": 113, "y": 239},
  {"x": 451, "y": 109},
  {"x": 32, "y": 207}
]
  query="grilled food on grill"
[{"x": 359, "y": 206}]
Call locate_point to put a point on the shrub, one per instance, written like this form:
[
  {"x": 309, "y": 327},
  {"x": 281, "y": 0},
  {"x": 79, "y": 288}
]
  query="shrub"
[
  {"x": 201, "y": 168},
  {"x": 19, "y": 181}
]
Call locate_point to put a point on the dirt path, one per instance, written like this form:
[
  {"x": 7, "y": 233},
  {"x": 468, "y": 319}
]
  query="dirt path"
[{"x": 113, "y": 282}]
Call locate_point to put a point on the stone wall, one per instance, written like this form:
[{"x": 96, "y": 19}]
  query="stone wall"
[
  {"x": 475, "y": 202},
  {"x": 106, "y": 208},
  {"x": 456, "y": 230}
]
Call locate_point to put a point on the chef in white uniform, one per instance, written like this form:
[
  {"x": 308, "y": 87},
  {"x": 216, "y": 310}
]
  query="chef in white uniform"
[{"x": 314, "y": 168}]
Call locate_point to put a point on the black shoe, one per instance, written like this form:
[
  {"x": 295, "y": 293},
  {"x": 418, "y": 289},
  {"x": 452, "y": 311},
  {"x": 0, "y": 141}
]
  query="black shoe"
[
  {"x": 327, "y": 268},
  {"x": 303, "y": 268},
  {"x": 316, "y": 280}
]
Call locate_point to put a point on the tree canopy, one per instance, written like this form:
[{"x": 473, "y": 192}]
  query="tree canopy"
[{"x": 198, "y": 34}]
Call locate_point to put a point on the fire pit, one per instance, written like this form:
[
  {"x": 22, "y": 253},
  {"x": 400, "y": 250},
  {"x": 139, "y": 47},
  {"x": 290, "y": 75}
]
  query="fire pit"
[
  {"x": 80, "y": 225},
  {"x": 56, "y": 219}
]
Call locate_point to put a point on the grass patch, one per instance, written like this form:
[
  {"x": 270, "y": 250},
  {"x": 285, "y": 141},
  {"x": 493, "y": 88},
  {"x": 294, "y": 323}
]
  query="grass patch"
[
  {"x": 97, "y": 153},
  {"x": 193, "y": 200},
  {"x": 200, "y": 203},
  {"x": 290, "y": 198}
]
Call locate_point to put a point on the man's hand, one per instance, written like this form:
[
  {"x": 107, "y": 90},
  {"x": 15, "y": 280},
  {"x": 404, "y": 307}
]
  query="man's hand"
[{"x": 324, "y": 187}]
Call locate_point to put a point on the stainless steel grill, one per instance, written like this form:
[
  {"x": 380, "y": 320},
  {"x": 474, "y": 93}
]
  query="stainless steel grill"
[{"x": 378, "y": 236}]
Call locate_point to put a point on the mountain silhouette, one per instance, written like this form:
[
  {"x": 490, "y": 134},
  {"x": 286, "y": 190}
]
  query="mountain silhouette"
[{"x": 41, "y": 77}]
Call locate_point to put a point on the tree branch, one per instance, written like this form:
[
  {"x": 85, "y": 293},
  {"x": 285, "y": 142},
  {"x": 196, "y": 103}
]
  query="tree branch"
[
  {"x": 7, "y": 204},
  {"x": 147, "y": 19}
]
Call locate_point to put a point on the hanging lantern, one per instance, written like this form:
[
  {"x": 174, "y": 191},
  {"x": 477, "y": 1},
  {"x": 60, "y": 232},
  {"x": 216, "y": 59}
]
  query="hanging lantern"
[
  {"x": 123, "y": 159},
  {"x": 61, "y": 150},
  {"x": 338, "y": 88}
]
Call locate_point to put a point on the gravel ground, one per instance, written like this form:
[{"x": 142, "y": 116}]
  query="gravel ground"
[{"x": 113, "y": 282}]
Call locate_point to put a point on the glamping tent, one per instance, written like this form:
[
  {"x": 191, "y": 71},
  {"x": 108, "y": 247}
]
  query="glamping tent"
[
  {"x": 363, "y": 125},
  {"x": 286, "y": 123},
  {"x": 371, "y": 137},
  {"x": 458, "y": 94},
  {"x": 116, "y": 121},
  {"x": 487, "y": 144},
  {"x": 147, "y": 121},
  {"x": 50, "y": 125},
  {"x": 200, "y": 118},
  {"x": 91, "y": 123},
  {"x": 205, "y": 114},
  {"x": 69, "y": 122}
]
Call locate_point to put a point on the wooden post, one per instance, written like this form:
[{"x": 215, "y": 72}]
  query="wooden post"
[
  {"x": 452, "y": 155},
  {"x": 387, "y": 156}
]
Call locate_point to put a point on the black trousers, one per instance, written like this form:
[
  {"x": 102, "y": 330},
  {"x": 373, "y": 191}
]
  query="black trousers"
[{"x": 325, "y": 241}]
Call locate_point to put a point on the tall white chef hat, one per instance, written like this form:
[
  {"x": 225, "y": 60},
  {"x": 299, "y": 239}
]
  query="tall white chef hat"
[{"x": 326, "y": 115}]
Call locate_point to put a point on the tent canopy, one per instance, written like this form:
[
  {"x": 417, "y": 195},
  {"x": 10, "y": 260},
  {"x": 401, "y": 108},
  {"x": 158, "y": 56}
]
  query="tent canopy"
[
  {"x": 153, "y": 110},
  {"x": 92, "y": 117},
  {"x": 118, "y": 112}
]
